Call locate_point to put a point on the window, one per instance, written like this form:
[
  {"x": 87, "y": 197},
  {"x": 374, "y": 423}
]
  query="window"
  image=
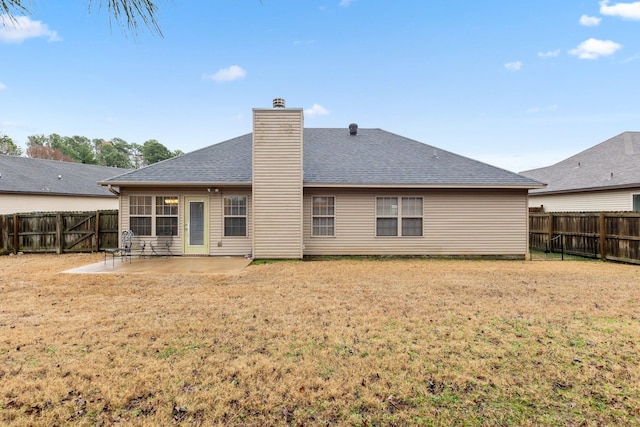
[
  {"x": 140, "y": 215},
  {"x": 323, "y": 216},
  {"x": 235, "y": 216},
  {"x": 387, "y": 216},
  {"x": 412, "y": 216},
  {"x": 636, "y": 202},
  {"x": 399, "y": 216},
  {"x": 166, "y": 216}
]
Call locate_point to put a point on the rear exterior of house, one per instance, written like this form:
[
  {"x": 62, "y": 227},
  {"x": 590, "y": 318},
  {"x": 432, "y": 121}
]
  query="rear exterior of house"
[{"x": 288, "y": 192}]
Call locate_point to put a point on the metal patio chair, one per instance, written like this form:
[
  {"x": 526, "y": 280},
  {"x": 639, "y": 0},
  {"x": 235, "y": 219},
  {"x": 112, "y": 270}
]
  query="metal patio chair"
[{"x": 124, "y": 250}]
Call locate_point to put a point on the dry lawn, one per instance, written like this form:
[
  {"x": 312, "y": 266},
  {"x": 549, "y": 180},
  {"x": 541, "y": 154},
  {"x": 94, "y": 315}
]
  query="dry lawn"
[{"x": 347, "y": 342}]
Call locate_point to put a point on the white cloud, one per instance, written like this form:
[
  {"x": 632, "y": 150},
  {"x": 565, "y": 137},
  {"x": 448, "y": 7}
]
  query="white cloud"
[
  {"x": 3, "y": 86},
  {"x": 535, "y": 110},
  {"x": 550, "y": 54},
  {"x": 316, "y": 110},
  {"x": 631, "y": 59},
  {"x": 594, "y": 48},
  {"x": 590, "y": 21},
  {"x": 22, "y": 27},
  {"x": 234, "y": 72},
  {"x": 513, "y": 66},
  {"x": 346, "y": 3},
  {"x": 623, "y": 10}
]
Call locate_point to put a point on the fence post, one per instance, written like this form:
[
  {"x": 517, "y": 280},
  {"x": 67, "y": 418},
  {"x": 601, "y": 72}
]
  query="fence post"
[
  {"x": 59, "y": 234},
  {"x": 16, "y": 237},
  {"x": 603, "y": 236},
  {"x": 550, "y": 231},
  {"x": 97, "y": 231}
]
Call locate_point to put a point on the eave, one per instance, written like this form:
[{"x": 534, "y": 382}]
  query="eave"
[{"x": 586, "y": 190}]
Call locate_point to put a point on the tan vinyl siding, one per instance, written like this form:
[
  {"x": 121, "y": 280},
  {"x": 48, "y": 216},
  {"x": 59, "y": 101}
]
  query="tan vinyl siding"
[
  {"x": 455, "y": 222},
  {"x": 221, "y": 245},
  {"x": 277, "y": 183},
  {"x": 594, "y": 201},
  {"x": 229, "y": 245},
  {"x": 24, "y": 203}
]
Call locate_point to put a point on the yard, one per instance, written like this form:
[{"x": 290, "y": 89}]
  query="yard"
[{"x": 343, "y": 342}]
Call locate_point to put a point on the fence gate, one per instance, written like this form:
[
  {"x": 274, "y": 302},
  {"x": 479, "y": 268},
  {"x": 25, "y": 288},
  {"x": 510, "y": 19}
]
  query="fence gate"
[{"x": 59, "y": 232}]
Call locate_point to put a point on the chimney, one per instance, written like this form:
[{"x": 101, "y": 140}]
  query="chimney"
[
  {"x": 353, "y": 129},
  {"x": 277, "y": 209}
]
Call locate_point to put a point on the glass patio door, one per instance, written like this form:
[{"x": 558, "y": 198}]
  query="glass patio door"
[{"x": 196, "y": 226}]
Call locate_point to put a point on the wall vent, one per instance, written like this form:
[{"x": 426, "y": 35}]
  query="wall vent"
[
  {"x": 353, "y": 129},
  {"x": 279, "y": 103}
]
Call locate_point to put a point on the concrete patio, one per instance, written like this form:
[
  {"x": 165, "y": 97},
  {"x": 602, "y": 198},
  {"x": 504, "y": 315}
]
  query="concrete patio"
[{"x": 165, "y": 265}]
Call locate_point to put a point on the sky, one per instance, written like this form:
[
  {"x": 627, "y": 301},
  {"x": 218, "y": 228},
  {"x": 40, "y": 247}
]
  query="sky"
[{"x": 516, "y": 84}]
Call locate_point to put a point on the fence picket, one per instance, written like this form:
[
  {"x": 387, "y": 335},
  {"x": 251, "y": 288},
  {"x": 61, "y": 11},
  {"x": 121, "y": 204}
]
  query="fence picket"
[
  {"x": 59, "y": 232},
  {"x": 611, "y": 236}
]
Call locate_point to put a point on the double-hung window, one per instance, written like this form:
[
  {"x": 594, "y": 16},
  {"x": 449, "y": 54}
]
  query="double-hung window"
[
  {"x": 235, "y": 216},
  {"x": 323, "y": 216},
  {"x": 140, "y": 213},
  {"x": 399, "y": 216},
  {"x": 149, "y": 219},
  {"x": 166, "y": 216}
]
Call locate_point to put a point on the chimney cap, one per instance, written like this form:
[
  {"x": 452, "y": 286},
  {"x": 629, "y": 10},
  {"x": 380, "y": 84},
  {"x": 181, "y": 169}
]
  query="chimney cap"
[
  {"x": 279, "y": 103},
  {"x": 353, "y": 129}
]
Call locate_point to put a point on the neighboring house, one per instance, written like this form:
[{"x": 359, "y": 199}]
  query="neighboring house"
[
  {"x": 287, "y": 192},
  {"x": 36, "y": 185},
  {"x": 605, "y": 177}
]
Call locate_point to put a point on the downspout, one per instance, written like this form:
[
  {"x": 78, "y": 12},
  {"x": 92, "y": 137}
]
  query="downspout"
[{"x": 110, "y": 188}]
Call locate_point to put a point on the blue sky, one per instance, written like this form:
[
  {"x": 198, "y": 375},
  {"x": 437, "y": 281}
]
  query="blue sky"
[{"x": 517, "y": 84}]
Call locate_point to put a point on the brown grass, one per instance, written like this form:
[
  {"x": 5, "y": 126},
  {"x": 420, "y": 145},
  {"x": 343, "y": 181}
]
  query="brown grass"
[{"x": 395, "y": 342}]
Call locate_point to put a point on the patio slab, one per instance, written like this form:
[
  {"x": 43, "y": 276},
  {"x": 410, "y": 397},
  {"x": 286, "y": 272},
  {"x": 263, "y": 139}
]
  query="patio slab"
[{"x": 166, "y": 265}]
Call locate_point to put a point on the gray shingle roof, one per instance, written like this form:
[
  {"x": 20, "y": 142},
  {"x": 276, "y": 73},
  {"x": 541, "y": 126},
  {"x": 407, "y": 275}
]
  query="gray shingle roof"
[
  {"x": 37, "y": 176},
  {"x": 614, "y": 163},
  {"x": 333, "y": 157}
]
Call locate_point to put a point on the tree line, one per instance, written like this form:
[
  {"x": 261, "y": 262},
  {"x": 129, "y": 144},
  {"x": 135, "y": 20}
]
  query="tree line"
[{"x": 79, "y": 149}]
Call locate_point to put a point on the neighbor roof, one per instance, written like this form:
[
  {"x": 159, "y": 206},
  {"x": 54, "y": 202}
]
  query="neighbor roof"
[
  {"x": 333, "y": 157},
  {"x": 37, "y": 176},
  {"x": 614, "y": 163}
]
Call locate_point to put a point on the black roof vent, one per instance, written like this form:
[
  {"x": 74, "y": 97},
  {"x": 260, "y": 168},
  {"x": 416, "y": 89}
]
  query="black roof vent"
[{"x": 353, "y": 129}]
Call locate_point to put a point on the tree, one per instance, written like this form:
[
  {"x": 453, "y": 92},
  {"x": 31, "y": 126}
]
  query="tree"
[
  {"x": 8, "y": 147},
  {"x": 114, "y": 153},
  {"x": 154, "y": 152},
  {"x": 129, "y": 13},
  {"x": 47, "y": 153}
]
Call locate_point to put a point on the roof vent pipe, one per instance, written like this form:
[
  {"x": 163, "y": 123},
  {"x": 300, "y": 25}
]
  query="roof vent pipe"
[
  {"x": 353, "y": 129},
  {"x": 278, "y": 103}
]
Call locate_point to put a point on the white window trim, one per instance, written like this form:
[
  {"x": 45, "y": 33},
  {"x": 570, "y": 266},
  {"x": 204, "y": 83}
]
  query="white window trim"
[
  {"x": 153, "y": 215},
  {"x": 323, "y": 236},
  {"x": 399, "y": 217},
  {"x": 245, "y": 216}
]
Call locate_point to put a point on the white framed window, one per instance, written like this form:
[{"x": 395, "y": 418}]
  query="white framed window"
[
  {"x": 235, "y": 216},
  {"x": 399, "y": 216},
  {"x": 140, "y": 215},
  {"x": 166, "y": 216},
  {"x": 636, "y": 202},
  {"x": 149, "y": 216},
  {"x": 323, "y": 216}
]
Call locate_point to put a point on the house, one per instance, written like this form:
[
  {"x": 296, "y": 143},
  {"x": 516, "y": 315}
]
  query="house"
[
  {"x": 285, "y": 191},
  {"x": 36, "y": 185},
  {"x": 605, "y": 177}
]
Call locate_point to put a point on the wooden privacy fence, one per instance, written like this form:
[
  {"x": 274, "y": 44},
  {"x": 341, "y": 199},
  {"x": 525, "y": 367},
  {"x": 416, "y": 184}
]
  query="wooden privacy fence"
[
  {"x": 59, "y": 232},
  {"x": 613, "y": 236}
]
